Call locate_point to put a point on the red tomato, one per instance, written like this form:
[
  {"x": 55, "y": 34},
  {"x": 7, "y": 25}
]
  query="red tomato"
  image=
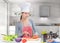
[{"x": 24, "y": 40}]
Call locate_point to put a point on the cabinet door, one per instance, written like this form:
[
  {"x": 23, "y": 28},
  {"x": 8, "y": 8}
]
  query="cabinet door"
[{"x": 44, "y": 10}]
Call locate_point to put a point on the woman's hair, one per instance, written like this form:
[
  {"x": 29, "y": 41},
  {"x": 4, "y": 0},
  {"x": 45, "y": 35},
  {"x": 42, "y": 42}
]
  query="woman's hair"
[{"x": 21, "y": 17}]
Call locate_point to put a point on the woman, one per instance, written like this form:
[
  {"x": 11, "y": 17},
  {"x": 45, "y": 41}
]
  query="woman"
[{"x": 25, "y": 26}]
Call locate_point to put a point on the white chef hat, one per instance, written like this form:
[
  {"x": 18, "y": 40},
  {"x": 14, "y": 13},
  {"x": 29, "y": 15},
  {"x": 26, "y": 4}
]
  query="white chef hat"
[{"x": 26, "y": 7}]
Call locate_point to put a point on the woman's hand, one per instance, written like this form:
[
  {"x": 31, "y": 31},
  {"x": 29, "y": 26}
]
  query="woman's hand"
[
  {"x": 26, "y": 35},
  {"x": 35, "y": 36},
  {"x": 50, "y": 40}
]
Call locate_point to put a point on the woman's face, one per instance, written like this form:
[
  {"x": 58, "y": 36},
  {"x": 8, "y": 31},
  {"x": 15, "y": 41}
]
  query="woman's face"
[{"x": 25, "y": 14}]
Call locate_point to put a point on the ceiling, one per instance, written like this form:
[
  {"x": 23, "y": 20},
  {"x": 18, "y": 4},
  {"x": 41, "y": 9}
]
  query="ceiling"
[
  {"x": 19, "y": 1},
  {"x": 1, "y": 1}
]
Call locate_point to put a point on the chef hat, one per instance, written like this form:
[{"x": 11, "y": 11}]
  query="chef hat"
[{"x": 26, "y": 7}]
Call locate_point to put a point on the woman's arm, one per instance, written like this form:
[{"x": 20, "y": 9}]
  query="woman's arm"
[
  {"x": 18, "y": 29},
  {"x": 34, "y": 28}
]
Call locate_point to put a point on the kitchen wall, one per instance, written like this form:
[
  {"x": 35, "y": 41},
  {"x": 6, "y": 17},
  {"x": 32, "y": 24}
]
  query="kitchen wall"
[{"x": 54, "y": 16}]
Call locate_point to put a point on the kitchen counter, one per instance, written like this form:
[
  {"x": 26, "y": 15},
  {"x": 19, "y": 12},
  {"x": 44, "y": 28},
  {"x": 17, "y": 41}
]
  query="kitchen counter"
[
  {"x": 29, "y": 41},
  {"x": 39, "y": 40}
]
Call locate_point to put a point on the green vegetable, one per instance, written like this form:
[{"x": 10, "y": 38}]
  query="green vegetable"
[
  {"x": 44, "y": 32},
  {"x": 9, "y": 37}
]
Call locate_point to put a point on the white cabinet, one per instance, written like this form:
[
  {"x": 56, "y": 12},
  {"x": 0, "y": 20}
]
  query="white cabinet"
[{"x": 11, "y": 30}]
